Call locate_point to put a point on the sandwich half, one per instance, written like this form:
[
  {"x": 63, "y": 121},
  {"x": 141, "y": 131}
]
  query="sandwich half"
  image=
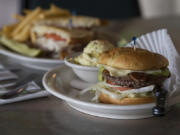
[{"x": 57, "y": 40}]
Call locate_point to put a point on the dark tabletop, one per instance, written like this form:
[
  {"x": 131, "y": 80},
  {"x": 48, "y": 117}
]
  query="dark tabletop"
[{"x": 52, "y": 116}]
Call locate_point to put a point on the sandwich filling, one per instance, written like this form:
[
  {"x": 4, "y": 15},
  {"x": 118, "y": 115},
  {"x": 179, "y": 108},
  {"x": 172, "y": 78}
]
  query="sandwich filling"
[
  {"x": 51, "y": 42},
  {"x": 133, "y": 79},
  {"x": 127, "y": 84}
]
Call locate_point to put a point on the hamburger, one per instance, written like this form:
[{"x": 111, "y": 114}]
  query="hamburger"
[
  {"x": 59, "y": 40},
  {"x": 129, "y": 76}
]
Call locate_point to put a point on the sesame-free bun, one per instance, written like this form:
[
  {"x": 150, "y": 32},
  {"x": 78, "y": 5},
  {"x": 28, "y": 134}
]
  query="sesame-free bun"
[
  {"x": 133, "y": 59},
  {"x": 125, "y": 101}
]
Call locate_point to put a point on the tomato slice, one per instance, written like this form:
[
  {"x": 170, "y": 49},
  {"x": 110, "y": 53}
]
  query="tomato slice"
[
  {"x": 119, "y": 88},
  {"x": 122, "y": 88},
  {"x": 54, "y": 37}
]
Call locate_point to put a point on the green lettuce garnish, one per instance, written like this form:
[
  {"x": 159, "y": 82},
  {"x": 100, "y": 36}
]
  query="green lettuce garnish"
[
  {"x": 19, "y": 47},
  {"x": 164, "y": 72},
  {"x": 100, "y": 77}
]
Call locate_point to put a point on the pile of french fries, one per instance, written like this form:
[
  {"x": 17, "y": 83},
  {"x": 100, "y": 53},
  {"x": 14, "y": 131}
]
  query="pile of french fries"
[{"x": 20, "y": 31}]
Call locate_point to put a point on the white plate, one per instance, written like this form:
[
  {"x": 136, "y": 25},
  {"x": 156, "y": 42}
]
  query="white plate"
[
  {"x": 36, "y": 63},
  {"x": 59, "y": 82}
]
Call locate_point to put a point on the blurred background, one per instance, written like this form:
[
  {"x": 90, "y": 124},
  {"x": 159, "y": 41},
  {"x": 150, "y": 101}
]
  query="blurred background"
[{"x": 108, "y": 9}]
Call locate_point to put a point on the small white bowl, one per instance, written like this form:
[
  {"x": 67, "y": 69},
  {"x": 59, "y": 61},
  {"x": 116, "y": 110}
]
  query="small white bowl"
[{"x": 85, "y": 73}]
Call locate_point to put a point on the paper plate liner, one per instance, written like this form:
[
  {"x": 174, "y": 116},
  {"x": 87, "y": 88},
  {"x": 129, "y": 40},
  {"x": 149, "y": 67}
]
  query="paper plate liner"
[{"x": 160, "y": 42}]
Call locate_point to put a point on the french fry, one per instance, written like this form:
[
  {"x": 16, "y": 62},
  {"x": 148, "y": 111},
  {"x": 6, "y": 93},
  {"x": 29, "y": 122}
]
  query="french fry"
[
  {"x": 49, "y": 15},
  {"x": 56, "y": 10},
  {"x": 6, "y": 30},
  {"x": 24, "y": 35},
  {"x": 26, "y": 11},
  {"x": 1, "y": 33},
  {"x": 27, "y": 20},
  {"x": 21, "y": 30},
  {"x": 18, "y": 17},
  {"x": 33, "y": 37},
  {"x": 9, "y": 28}
]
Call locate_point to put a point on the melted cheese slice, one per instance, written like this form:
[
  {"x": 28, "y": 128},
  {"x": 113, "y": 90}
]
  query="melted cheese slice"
[{"x": 122, "y": 72}]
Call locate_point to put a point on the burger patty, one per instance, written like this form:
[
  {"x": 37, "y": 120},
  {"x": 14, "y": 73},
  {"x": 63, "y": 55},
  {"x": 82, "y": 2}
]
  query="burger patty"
[{"x": 135, "y": 79}]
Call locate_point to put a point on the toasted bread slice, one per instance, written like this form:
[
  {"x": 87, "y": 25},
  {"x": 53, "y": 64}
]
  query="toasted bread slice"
[{"x": 76, "y": 22}]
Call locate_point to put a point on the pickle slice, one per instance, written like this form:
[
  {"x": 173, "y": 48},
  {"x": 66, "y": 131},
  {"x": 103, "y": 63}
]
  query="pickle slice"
[{"x": 20, "y": 48}]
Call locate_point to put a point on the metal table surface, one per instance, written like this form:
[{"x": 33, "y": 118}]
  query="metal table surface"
[{"x": 52, "y": 116}]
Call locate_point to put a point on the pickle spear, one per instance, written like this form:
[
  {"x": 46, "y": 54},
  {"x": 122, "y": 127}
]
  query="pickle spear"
[{"x": 18, "y": 47}]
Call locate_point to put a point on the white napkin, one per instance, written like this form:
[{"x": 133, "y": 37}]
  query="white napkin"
[
  {"x": 42, "y": 93},
  {"x": 160, "y": 42},
  {"x": 5, "y": 75},
  {"x": 32, "y": 91}
]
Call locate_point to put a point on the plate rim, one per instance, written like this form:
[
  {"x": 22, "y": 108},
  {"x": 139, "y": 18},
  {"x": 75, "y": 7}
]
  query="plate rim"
[
  {"x": 31, "y": 59},
  {"x": 85, "y": 103}
]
